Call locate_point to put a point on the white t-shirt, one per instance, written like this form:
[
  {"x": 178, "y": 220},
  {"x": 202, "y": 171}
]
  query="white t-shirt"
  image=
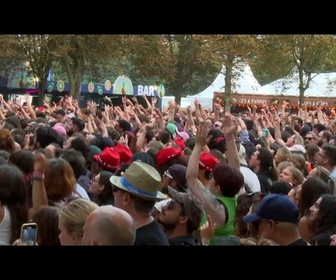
[
  {"x": 5, "y": 228},
  {"x": 80, "y": 192},
  {"x": 250, "y": 179}
]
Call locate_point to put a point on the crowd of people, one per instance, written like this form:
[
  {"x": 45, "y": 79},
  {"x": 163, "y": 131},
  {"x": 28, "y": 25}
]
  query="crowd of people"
[{"x": 136, "y": 175}]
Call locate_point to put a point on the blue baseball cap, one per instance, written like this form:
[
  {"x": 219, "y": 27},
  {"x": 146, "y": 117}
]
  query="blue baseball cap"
[{"x": 277, "y": 207}]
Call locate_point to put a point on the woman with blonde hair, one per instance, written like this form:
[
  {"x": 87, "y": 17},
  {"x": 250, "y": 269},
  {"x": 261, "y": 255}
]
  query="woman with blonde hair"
[
  {"x": 299, "y": 161},
  {"x": 282, "y": 154},
  {"x": 72, "y": 219},
  {"x": 323, "y": 173}
]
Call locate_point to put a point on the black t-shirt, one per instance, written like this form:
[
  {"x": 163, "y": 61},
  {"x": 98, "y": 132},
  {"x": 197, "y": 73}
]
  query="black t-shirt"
[
  {"x": 265, "y": 182},
  {"x": 150, "y": 235},
  {"x": 183, "y": 241},
  {"x": 299, "y": 242}
]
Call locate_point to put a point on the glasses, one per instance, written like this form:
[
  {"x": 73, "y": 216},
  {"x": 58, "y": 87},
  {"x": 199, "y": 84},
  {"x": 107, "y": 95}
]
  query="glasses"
[
  {"x": 319, "y": 154},
  {"x": 93, "y": 180},
  {"x": 172, "y": 205},
  {"x": 167, "y": 174}
]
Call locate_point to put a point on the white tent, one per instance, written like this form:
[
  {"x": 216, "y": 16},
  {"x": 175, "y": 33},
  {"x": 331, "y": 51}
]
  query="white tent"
[
  {"x": 322, "y": 85},
  {"x": 244, "y": 83}
]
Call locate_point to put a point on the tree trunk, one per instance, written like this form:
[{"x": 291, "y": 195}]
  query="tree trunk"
[{"x": 40, "y": 95}]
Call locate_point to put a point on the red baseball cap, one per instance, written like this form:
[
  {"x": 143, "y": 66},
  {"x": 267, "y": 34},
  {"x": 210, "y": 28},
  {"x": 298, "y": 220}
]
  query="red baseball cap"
[
  {"x": 167, "y": 154},
  {"x": 207, "y": 161}
]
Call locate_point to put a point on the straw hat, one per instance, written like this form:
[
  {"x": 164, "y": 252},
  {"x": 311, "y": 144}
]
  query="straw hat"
[{"x": 140, "y": 179}]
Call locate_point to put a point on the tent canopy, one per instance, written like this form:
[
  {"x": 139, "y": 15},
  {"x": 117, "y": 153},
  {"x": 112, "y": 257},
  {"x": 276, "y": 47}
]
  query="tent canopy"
[
  {"x": 244, "y": 83},
  {"x": 322, "y": 85}
]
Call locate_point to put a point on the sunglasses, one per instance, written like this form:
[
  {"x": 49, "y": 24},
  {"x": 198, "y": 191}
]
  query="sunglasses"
[
  {"x": 309, "y": 138},
  {"x": 167, "y": 174},
  {"x": 171, "y": 205},
  {"x": 259, "y": 195}
]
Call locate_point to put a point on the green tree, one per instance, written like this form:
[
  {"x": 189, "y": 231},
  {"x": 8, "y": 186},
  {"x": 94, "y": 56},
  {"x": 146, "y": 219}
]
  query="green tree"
[{"x": 307, "y": 54}]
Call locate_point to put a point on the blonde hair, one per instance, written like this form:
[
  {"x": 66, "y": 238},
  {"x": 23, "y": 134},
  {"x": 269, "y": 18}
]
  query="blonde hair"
[
  {"x": 297, "y": 175},
  {"x": 298, "y": 140},
  {"x": 283, "y": 154},
  {"x": 74, "y": 214},
  {"x": 324, "y": 174},
  {"x": 298, "y": 161}
]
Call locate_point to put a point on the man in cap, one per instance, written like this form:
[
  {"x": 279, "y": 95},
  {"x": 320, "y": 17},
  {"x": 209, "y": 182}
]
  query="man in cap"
[
  {"x": 175, "y": 177},
  {"x": 136, "y": 192},
  {"x": 180, "y": 217},
  {"x": 277, "y": 219}
]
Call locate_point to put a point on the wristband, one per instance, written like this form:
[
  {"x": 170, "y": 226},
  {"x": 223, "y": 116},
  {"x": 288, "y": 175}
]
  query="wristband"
[
  {"x": 38, "y": 178},
  {"x": 230, "y": 137}
]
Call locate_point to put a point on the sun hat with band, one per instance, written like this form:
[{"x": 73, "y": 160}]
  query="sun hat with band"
[{"x": 142, "y": 180}]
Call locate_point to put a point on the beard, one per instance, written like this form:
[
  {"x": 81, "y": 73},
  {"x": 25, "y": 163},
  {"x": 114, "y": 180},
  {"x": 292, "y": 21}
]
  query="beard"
[{"x": 166, "y": 226}]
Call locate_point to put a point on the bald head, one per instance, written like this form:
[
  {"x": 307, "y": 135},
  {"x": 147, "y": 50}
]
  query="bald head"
[{"x": 108, "y": 225}]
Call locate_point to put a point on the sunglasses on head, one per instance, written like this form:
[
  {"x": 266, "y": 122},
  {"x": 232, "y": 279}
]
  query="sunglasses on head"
[{"x": 259, "y": 195}]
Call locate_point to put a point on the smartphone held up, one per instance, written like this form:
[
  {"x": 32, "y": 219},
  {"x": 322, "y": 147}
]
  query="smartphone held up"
[{"x": 29, "y": 234}]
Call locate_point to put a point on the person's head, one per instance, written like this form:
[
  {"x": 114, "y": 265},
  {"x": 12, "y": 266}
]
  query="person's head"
[
  {"x": 318, "y": 127},
  {"x": 6, "y": 141},
  {"x": 133, "y": 194},
  {"x": 295, "y": 139},
  {"x": 182, "y": 213},
  {"x": 312, "y": 152},
  {"x": 144, "y": 157},
  {"x": 108, "y": 159},
  {"x": 275, "y": 218},
  {"x": 101, "y": 187},
  {"x": 175, "y": 177},
  {"x": 280, "y": 188},
  {"x": 291, "y": 175},
  {"x": 13, "y": 195},
  {"x": 109, "y": 225},
  {"x": 262, "y": 162},
  {"x": 311, "y": 190},
  {"x": 244, "y": 203},
  {"x": 327, "y": 156},
  {"x": 207, "y": 163},
  {"x": 79, "y": 143},
  {"x": 310, "y": 138},
  {"x": 64, "y": 185},
  {"x": 46, "y": 219},
  {"x": 323, "y": 213},
  {"x": 123, "y": 126},
  {"x": 72, "y": 219},
  {"x": 45, "y": 135},
  {"x": 217, "y": 140},
  {"x": 76, "y": 160},
  {"x": 323, "y": 137},
  {"x": 298, "y": 161},
  {"x": 281, "y": 155},
  {"x": 76, "y": 125},
  {"x": 226, "y": 180}
]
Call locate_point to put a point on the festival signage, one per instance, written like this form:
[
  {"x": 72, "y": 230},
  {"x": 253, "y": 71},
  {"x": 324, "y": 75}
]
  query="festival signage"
[
  {"x": 123, "y": 86},
  {"x": 20, "y": 77},
  {"x": 261, "y": 100}
]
